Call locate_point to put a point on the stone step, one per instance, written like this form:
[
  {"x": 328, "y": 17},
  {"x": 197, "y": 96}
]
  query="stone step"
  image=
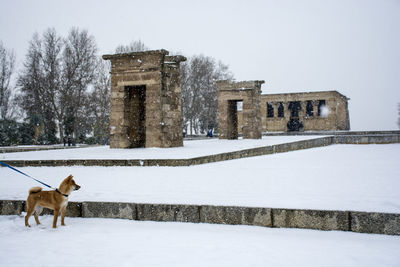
[{"x": 354, "y": 221}]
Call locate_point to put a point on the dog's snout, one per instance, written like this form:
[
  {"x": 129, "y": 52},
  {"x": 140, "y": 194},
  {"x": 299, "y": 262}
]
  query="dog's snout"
[{"x": 77, "y": 187}]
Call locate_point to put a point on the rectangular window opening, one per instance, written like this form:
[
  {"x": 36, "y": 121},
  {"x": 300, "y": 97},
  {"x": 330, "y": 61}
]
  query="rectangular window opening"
[
  {"x": 309, "y": 109},
  {"x": 321, "y": 107},
  {"x": 295, "y": 107},
  {"x": 281, "y": 110},
  {"x": 270, "y": 110}
]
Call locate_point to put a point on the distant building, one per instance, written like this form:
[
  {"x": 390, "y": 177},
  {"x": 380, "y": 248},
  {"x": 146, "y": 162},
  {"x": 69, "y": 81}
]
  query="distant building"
[{"x": 313, "y": 111}]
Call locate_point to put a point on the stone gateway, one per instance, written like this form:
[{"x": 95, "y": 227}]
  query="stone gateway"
[
  {"x": 146, "y": 108},
  {"x": 248, "y": 93}
]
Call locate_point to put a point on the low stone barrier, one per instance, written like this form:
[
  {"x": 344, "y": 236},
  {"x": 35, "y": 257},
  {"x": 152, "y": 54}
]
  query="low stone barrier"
[
  {"x": 395, "y": 132},
  {"x": 355, "y": 221},
  {"x": 14, "y": 149},
  {"x": 367, "y": 139}
]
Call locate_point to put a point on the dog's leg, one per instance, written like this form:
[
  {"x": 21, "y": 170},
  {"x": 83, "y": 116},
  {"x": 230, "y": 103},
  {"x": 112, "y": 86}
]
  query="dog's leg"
[
  {"x": 38, "y": 211},
  {"x": 56, "y": 212},
  {"x": 63, "y": 212},
  {"x": 30, "y": 210}
]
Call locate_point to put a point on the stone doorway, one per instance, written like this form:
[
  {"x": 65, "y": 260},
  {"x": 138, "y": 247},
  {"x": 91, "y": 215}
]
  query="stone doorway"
[
  {"x": 232, "y": 119},
  {"x": 135, "y": 114}
]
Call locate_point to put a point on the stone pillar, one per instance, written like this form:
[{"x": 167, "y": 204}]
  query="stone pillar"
[
  {"x": 315, "y": 107},
  {"x": 275, "y": 105},
  {"x": 302, "y": 111}
]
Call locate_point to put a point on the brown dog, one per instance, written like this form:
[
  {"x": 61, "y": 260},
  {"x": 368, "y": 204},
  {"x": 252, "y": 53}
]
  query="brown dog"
[{"x": 56, "y": 200}]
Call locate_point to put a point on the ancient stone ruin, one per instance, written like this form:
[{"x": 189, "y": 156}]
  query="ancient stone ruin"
[
  {"x": 312, "y": 111},
  {"x": 146, "y": 108},
  {"x": 246, "y": 93}
]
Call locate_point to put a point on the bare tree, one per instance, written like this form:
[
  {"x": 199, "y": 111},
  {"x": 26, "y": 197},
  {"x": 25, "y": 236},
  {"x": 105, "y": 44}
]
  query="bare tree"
[
  {"x": 199, "y": 92},
  {"x": 55, "y": 79},
  {"x": 39, "y": 82},
  {"x": 7, "y": 63},
  {"x": 79, "y": 65},
  {"x": 134, "y": 46},
  {"x": 98, "y": 104}
]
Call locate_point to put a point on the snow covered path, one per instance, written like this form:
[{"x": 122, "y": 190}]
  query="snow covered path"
[
  {"x": 113, "y": 242},
  {"x": 338, "y": 177},
  {"x": 191, "y": 149}
]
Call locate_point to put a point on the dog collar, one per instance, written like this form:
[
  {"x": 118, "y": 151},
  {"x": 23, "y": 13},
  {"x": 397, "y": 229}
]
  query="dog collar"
[{"x": 58, "y": 191}]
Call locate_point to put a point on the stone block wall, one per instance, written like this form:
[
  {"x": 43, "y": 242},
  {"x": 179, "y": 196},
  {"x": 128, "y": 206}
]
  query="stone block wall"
[
  {"x": 355, "y": 221},
  {"x": 145, "y": 100}
]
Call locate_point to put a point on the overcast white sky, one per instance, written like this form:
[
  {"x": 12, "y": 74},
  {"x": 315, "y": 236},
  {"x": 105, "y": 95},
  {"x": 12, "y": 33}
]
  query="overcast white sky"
[{"x": 352, "y": 46}]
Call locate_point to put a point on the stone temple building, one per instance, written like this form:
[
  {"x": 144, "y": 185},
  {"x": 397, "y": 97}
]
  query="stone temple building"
[
  {"x": 312, "y": 111},
  {"x": 146, "y": 109}
]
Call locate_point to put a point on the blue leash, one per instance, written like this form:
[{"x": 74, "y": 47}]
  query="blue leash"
[{"x": 14, "y": 169}]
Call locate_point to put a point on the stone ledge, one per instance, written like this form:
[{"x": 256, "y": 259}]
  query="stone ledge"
[
  {"x": 355, "y": 221},
  {"x": 311, "y": 219},
  {"x": 11, "y": 207},
  {"x": 168, "y": 213},
  {"x": 236, "y": 215},
  {"x": 115, "y": 210},
  {"x": 376, "y": 223}
]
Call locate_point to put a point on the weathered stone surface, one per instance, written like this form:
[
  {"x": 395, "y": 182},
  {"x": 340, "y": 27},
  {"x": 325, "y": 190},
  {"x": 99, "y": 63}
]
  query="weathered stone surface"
[
  {"x": 11, "y": 207},
  {"x": 235, "y": 215},
  {"x": 311, "y": 219},
  {"x": 74, "y": 209},
  {"x": 376, "y": 223},
  {"x": 109, "y": 210},
  {"x": 368, "y": 139},
  {"x": 168, "y": 213}
]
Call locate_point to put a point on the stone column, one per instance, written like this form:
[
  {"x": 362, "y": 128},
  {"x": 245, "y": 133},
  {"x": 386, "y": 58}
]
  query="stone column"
[
  {"x": 315, "y": 107},
  {"x": 275, "y": 105}
]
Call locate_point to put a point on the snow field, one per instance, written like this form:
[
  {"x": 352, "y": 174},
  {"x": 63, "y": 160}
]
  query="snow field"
[
  {"x": 191, "y": 149},
  {"x": 114, "y": 242},
  {"x": 337, "y": 177}
]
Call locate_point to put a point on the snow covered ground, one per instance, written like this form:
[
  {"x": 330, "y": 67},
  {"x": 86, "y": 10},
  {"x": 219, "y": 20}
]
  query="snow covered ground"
[
  {"x": 337, "y": 177},
  {"x": 191, "y": 148},
  {"x": 112, "y": 242}
]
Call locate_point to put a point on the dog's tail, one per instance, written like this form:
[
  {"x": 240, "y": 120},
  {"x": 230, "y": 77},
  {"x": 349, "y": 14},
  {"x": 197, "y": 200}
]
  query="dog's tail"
[{"x": 35, "y": 190}]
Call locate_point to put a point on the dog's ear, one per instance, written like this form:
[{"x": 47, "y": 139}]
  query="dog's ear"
[{"x": 70, "y": 177}]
